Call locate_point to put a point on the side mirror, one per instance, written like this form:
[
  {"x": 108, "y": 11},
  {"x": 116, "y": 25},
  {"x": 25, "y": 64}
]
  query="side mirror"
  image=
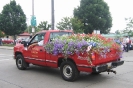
[
  {"x": 30, "y": 36},
  {"x": 24, "y": 43}
]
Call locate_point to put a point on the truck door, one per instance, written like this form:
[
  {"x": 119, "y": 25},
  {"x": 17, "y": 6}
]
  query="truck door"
[{"x": 37, "y": 53}]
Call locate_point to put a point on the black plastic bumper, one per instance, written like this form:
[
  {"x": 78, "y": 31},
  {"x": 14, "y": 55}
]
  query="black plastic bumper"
[
  {"x": 117, "y": 63},
  {"x": 105, "y": 67}
]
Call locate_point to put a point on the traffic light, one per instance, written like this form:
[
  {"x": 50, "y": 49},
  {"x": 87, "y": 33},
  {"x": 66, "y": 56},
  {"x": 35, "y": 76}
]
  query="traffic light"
[{"x": 33, "y": 21}]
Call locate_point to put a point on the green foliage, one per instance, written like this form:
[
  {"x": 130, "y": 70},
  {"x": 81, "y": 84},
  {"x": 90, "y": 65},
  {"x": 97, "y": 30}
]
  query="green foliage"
[
  {"x": 95, "y": 15},
  {"x": 118, "y": 34},
  {"x": 68, "y": 23},
  {"x": 65, "y": 24},
  {"x": 12, "y": 19},
  {"x": 29, "y": 29},
  {"x": 129, "y": 24},
  {"x": 127, "y": 32},
  {"x": 1, "y": 34},
  {"x": 44, "y": 25},
  {"x": 77, "y": 25}
]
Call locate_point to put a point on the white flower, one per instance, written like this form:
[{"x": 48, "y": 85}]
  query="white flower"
[{"x": 88, "y": 48}]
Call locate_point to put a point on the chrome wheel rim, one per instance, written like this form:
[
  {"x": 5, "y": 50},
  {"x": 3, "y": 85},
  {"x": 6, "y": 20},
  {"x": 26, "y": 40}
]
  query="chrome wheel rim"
[
  {"x": 19, "y": 62},
  {"x": 67, "y": 71}
]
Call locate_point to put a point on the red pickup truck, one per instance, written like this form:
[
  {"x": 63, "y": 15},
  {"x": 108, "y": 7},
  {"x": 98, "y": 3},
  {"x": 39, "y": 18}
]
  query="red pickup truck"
[{"x": 70, "y": 67}]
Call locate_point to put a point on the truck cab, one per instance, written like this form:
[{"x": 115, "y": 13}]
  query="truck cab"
[{"x": 37, "y": 54}]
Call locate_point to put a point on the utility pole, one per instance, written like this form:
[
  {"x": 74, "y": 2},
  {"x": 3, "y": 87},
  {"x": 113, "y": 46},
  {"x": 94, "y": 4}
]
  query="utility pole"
[
  {"x": 32, "y": 7},
  {"x": 27, "y": 19},
  {"x": 33, "y": 29},
  {"x": 52, "y": 14}
]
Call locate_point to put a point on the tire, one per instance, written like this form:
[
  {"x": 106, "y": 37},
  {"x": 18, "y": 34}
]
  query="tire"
[
  {"x": 20, "y": 62},
  {"x": 69, "y": 71}
]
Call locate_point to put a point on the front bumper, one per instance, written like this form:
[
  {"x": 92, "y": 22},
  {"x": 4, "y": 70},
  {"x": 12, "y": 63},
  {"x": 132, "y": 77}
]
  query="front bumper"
[{"x": 105, "y": 67}]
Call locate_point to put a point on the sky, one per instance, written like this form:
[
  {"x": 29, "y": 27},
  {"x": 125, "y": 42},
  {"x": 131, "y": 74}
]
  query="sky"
[{"x": 119, "y": 9}]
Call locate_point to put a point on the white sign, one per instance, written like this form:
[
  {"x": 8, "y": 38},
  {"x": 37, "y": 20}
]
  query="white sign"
[
  {"x": 33, "y": 29},
  {"x": 96, "y": 31}
]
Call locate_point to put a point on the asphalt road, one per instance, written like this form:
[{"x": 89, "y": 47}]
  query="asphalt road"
[{"x": 45, "y": 77}]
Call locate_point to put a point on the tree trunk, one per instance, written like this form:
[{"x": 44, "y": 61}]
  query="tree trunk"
[{"x": 14, "y": 38}]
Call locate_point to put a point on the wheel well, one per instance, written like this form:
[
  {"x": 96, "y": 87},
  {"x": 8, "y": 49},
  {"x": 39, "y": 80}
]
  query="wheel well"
[
  {"x": 16, "y": 53},
  {"x": 60, "y": 60}
]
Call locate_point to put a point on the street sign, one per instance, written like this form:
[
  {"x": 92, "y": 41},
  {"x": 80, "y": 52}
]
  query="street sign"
[{"x": 33, "y": 21}]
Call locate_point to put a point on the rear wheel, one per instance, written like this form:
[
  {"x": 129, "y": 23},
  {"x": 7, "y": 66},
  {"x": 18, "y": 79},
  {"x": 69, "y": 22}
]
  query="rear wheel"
[
  {"x": 69, "y": 71},
  {"x": 20, "y": 62}
]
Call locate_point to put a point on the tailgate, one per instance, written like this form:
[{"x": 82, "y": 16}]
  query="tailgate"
[{"x": 113, "y": 55}]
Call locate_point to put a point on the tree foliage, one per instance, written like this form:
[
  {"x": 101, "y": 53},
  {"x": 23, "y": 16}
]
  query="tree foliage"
[
  {"x": 12, "y": 19},
  {"x": 1, "y": 34},
  {"x": 64, "y": 24},
  {"x": 95, "y": 15},
  {"x": 77, "y": 25},
  {"x": 129, "y": 24},
  {"x": 29, "y": 29},
  {"x": 68, "y": 23},
  {"x": 118, "y": 33},
  {"x": 44, "y": 25},
  {"x": 128, "y": 31}
]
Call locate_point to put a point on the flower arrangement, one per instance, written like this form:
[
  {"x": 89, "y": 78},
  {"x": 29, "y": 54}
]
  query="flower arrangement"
[{"x": 78, "y": 43}]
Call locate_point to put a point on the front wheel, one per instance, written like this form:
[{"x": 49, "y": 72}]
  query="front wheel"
[
  {"x": 69, "y": 71},
  {"x": 21, "y": 64}
]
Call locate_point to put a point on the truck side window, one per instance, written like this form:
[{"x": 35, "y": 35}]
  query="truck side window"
[
  {"x": 55, "y": 34},
  {"x": 37, "y": 38}
]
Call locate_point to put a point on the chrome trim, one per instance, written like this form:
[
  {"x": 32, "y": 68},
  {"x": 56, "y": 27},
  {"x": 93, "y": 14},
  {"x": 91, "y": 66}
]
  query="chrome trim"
[
  {"x": 82, "y": 65},
  {"x": 51, "y": 61},
  {"x": 34, "y": 59}
]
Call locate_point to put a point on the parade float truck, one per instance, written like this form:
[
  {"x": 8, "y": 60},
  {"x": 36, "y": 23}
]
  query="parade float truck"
[{"x": 71, "y": 53}]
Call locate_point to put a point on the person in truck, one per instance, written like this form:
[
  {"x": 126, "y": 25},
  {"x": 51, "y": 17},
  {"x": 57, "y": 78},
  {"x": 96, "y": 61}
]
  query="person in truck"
[{"x": 39, "y": 41}]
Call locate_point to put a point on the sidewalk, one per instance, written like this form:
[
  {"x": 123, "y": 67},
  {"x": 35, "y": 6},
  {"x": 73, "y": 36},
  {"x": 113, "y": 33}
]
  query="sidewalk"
[{"x": 6, "y": 47}]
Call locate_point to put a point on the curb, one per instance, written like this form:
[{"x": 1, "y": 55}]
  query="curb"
[{"x": 6, "y": 47}]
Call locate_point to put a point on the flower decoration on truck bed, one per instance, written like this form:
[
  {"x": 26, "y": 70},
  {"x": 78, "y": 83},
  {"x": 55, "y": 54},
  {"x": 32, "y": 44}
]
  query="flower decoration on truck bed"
[{"x": 78, "y": 43}]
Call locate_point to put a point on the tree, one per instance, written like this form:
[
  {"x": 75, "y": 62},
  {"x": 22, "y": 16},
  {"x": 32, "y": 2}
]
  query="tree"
[
  {"x": 29, "y": 29},
  {"x": 12, "y": 19},
  {"x": 118, "y": 34},
  {"x": 129, "y": 25},
  {"x": 69, "y": 23},
  {"x": 95, "y": 15},
  {"x": 77, "y": 25},
  {"x": 44, "y": 25},
  {"x": 127, "y": 32},
  {"x": 1, "y": 34},
  {"x": 64, "y": 24}
]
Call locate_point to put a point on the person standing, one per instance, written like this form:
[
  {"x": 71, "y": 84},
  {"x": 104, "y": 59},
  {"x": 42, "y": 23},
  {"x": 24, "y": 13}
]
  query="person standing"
[
  {"x": 127, "y": 43},
  {"x": 0, "y": 41},
  {"x": 130, "y": 47}
]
